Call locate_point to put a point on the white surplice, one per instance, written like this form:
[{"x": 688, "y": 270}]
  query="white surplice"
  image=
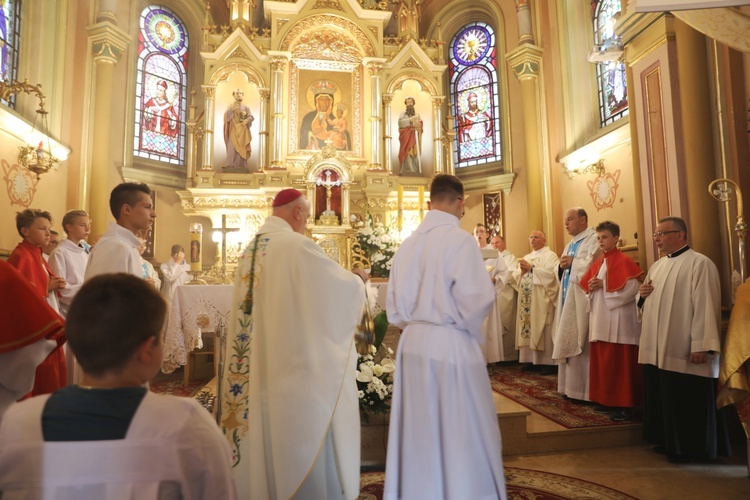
[
  {"x": 570, "y": 332},
  {"x": 537, "y": 296},
  {"x": 174, "y": 275},
  {"x": 613, "y": 317},
  {"x": 115, "y": 252},
  {"x": 507, "y": 302},
  {"x": 291, "y": 410},
  {"x": 68, "y": 261},
  {"x": 494, "y": 342},
  {"x": 682, "y": 315},
  {"x": 444, "y": 440},
  {"x": 172, "y": 450}
]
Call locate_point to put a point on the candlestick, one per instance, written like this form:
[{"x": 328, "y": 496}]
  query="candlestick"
[
  {"x": 196, "y": 239},
  {"x": 400, "y": 207}
]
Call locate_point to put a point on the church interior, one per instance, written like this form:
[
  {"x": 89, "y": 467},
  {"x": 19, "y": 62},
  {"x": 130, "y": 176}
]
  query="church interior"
[{"x": 630, "y": 112}]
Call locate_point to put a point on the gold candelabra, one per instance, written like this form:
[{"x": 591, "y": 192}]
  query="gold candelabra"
[{"x": 33, "y": 157}]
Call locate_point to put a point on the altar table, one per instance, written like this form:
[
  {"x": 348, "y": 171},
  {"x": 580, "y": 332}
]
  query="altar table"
[{"x": 195, "y": 309}]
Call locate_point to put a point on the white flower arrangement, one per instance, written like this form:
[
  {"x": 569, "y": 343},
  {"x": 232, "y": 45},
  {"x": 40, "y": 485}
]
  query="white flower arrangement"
[
  {"x": 375, "y": 380},
  {"x": 380, "y": 243}
]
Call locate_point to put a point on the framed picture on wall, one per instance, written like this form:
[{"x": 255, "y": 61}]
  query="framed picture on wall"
[{"x": 493, "y": 204}]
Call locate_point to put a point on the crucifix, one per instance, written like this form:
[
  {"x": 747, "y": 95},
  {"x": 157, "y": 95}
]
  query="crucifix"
[
  {"x": 328, "y": 184},
  {"x": 224, "y": 230}
]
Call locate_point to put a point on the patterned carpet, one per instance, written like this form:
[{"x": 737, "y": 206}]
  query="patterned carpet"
[
  {"x": 522, "y": 484},
  {"x": 539, "y": 394},
  {"x": 172, "y": 384}
]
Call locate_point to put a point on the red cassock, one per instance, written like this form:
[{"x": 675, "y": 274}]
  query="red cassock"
[{"x": 29, "y": 321}]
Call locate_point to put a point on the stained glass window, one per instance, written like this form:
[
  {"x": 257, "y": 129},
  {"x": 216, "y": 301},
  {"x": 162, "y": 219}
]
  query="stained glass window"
[
  {"x": 613, "y": 94},
  {"x": 161, "y": 86},
  {"x": 474, "y": 95},
  {"x": 10, "y": 30}
]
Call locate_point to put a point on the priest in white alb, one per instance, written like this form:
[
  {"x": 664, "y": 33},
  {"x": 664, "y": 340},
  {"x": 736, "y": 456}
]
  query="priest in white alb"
[
  {"x": 493, "y": 330},
  {"x": 536, "y": 279},
  {"x": 571, "y": 327},
  {"x": 290, "y": 402}
]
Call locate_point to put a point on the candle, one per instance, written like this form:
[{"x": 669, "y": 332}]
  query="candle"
[
  {"x": 421, "y": 202},
  {"x": 196, "y": 236},
  {"x": 400, "y": 207}
]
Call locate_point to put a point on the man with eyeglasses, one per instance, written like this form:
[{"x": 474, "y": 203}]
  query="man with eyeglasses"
[
  {"x": 536, "y": 280},
  {"x": 679, "y": 302}
]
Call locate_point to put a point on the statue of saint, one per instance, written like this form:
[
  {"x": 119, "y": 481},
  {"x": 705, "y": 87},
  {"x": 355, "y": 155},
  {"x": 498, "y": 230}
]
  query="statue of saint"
[
  {"x": 410, "y": 138},
  {"x": 237, "y": 136}
]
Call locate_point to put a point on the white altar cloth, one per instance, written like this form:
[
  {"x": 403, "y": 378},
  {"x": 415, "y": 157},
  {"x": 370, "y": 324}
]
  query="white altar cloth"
[{"x": 194, "y": 309}]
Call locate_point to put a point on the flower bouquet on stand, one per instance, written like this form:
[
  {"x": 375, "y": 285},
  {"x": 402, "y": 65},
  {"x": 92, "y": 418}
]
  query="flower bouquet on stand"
[
  {"x": 375, "y": 368},
  {"x": 380, "y": 243}
]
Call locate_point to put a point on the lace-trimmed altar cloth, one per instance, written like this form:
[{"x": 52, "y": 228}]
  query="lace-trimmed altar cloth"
[{"x": 194, "y": 309}]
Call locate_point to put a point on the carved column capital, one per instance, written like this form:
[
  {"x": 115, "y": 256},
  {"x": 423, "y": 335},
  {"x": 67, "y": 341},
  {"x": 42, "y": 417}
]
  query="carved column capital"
[
  {"x": 108, "y": 42},
  {"x": 374, "y": 68},
  {"x": 278, "y": 63},
  {"x": 437, "y": 101},
  {"x": 387, "y": 99},
  {"x": 209, "y": 91},
  {"x": 525, "y": 61},
  {"x": 265, "y": 94}
]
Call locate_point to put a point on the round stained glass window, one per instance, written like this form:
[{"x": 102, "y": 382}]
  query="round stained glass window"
[
  {"x": 471, "y": 45},
  {"x": 164, "y": 31}
]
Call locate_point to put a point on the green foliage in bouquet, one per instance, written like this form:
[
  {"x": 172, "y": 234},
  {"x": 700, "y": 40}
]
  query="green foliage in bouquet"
[{"x": 375, "y": 373}]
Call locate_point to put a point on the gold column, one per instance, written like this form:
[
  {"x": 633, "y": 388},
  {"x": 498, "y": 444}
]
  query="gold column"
[
  {"x": 376, "y": 120},
  {"x": 697, "y": 140},
  {"x": 108, "y": 42},
  {"x": 387, "y": 99},
  {"x": 265, "y": 96},
  {"x": 208, "y": 134},
  {"x": 525, "y": 61},
  {"x": 437, "y": 119},
  {"x": 278, "y": 65}
]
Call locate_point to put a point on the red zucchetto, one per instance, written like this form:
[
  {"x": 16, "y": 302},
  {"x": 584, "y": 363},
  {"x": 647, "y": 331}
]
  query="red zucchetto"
[{"x": 285, "y": 196}]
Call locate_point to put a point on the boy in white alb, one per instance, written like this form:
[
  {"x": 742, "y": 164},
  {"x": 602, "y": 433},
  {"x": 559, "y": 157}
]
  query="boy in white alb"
[
  {"x": 70, "y": 257},
  {"x": 175, "y": 272},
  {"x": 110, "y": 438}
]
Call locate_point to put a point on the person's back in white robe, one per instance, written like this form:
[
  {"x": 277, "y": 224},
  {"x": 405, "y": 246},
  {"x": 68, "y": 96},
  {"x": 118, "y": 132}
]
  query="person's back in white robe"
[{"x": 444, "y": 439}]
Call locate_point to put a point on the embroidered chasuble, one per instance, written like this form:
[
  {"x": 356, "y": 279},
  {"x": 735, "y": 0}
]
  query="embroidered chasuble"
[
  {"x": 290, "y": 404},
  {"x": 537, "y": 293}
]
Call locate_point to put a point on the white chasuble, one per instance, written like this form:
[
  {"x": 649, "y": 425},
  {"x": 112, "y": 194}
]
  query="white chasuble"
[
  {"x": 290, "y": 395},
  {"x": 537, "y": 295}
]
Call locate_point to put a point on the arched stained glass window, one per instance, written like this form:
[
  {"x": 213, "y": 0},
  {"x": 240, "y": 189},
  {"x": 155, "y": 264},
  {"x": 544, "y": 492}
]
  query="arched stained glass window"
[
  {"x": 10, "y": 31},
  {"x": 474, "y": 95},
  {"x": 161, "y": 86},
  {"x": 610, "y": 75}
]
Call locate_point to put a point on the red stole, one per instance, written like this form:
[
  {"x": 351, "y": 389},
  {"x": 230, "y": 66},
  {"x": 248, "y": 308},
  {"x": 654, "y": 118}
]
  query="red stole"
[
  {"x": 27, "y": 258},
  {"x": 620, "y": 268}
]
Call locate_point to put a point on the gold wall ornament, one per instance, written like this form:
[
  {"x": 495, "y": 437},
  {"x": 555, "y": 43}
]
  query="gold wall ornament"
[
  {"x": 223, "y": 72},
  {"x": 593, "y": 168},
  {"x": 328, "y": 4},
  {"x": 328, "y": 21},
  {"x": 33, "y": 157},
  {"x": 327, "y": 44}
]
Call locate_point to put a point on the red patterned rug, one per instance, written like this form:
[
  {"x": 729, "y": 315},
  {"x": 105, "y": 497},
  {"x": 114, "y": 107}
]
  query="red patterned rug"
[
  {"x": 539, "y": 394},
  {"x": 521, "y": 484}
]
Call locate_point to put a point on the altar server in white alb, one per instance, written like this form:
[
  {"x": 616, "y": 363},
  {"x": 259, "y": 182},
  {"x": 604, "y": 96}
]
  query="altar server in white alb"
[
  {"x": 110, "y": 438},
  {"x": 444, "y": 441},
  {"x": 70, "y": 257},
  {"x": 117, "y": 251},
  {"x": 571, "y": 328},
  {"x": 680, "y": 302},
  {"x": 494, "y": 346},
  {"x": 175, "y": 271},
  {"x": 291, "y": 408}
]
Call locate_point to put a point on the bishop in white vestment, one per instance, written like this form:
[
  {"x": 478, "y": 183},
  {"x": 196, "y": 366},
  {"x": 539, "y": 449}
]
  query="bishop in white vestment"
[{"x": 291, "y": 410}]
